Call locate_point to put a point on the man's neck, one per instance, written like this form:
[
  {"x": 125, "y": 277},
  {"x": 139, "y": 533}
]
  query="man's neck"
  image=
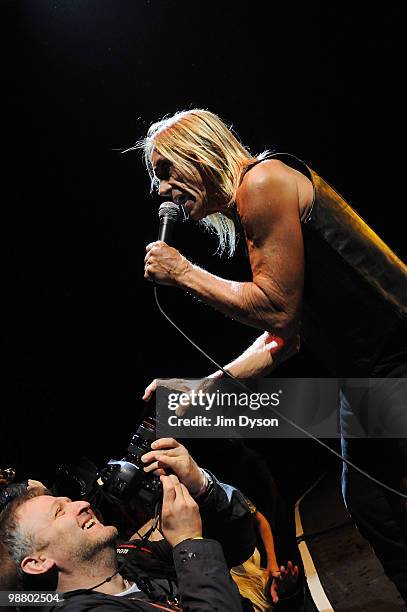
[{"x": 87, "y": 575}]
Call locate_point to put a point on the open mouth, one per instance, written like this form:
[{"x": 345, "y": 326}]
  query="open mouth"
[
  {"x": 183, "y": 198},
  {"x": 90, "y": 523}
]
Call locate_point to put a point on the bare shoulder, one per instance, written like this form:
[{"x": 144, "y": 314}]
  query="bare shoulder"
[
  {"x": 270, "y": 183},
  {"x": 268, "y": 171}
]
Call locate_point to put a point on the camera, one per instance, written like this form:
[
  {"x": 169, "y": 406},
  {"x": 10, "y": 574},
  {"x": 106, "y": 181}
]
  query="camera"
[
  {"x": 125, "y": 479},
  {"x": 123, "y": 483}
]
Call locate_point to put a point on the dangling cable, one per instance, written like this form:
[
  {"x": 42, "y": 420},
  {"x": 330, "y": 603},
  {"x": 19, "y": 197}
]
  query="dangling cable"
[{"x": 277, "y": 412}]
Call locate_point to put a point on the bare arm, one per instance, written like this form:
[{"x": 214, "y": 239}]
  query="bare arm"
[
  {"x": 285, "y": 579},
  {"x": 268, "y": 206},
  {"x": 268, "y": 541},
  {"x": 259, "y": 359}
]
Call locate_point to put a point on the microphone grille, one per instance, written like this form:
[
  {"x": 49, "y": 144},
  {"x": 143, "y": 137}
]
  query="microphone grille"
[{"x": 170, "y": 210}]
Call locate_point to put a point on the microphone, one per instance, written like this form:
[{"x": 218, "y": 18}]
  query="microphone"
[{"x": 168, "y": 214}]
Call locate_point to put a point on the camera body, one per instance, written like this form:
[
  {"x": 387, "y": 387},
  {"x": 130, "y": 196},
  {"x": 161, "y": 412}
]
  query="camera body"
[
  {"x": 125, "y": 479},
  {"x": 122, "y": 488}
]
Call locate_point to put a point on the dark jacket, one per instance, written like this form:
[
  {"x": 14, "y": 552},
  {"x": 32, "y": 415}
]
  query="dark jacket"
[
  {"x": 195, "y": 571},
  {"x": 203, "y": 579}
]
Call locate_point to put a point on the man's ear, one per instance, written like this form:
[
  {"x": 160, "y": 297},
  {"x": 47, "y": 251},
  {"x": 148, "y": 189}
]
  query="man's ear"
[{"x": 37, "y": 564}]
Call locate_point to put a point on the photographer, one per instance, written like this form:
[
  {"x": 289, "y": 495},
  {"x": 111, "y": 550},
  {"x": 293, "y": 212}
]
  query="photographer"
[{"x": 61, "y": 543}]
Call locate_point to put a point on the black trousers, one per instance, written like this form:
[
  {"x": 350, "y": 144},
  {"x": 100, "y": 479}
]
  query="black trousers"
[{"x": 380, "y": 516}]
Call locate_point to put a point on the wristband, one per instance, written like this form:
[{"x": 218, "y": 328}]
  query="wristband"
[{"x": 278, "y": 344}]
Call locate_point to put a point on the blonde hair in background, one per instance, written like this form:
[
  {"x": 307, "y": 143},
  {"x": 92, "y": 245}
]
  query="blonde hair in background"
[
  {"x": 251, "y": 580},
  {"x": 200, "y": 138}
]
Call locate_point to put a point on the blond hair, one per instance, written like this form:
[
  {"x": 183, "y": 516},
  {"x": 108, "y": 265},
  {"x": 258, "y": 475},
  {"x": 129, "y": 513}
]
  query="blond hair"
[
  {"x": 198, "y": 138},
  {"x": 251, "y": 580}
]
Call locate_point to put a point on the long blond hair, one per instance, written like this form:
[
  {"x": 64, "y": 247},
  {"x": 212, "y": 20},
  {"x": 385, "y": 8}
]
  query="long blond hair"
[{"x": 198, "y": 138}]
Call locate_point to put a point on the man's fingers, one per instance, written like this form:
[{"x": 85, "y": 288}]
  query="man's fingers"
[
  {"x": 160, "y": 471},
  {"x": 153, "y": 244},
  {"x": 173, "y": 383},
  {"x": 162, "y": 462},
  {"x": 179, "y": 494},
  {"x": 155, "y": 455},
  {"x": 187, "y": 495},
  {"x": 181, "y": 410},
  {"x": 165, "y": 443},
  {"x": 174, "y": 479},
  {"x": 168, "y": 490},
  {"x": 183, "y": 494},
  {"x": 150, "y": 389},
  {"x": 162, "y": 465},
  {"x": 150, "y": 468},
  {"x": 150, "y": 254},
  {"x": 168, "y": 460},
  {"x": 292, "y": 569}
]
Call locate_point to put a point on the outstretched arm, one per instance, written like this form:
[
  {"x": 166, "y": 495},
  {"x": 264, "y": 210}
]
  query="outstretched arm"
[{"x": 259, "y": 359}]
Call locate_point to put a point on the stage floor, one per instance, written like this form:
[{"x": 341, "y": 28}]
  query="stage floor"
[{"x": 342, "y": 571}]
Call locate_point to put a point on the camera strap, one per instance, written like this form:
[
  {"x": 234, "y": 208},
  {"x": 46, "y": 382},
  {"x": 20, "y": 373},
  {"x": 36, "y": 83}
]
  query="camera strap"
[{"x": 108, "y": 579}]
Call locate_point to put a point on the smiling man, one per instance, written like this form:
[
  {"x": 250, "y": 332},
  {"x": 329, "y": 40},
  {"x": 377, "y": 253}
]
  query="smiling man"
[
  {"x": 61, "y": 545},
  {"x": 66, "y": 534}
]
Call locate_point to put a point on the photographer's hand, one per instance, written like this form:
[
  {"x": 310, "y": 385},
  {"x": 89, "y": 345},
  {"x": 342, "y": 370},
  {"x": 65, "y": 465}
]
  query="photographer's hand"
[
  {"x": 180, "y": 518},
  {"x": 170, "y": 455}
]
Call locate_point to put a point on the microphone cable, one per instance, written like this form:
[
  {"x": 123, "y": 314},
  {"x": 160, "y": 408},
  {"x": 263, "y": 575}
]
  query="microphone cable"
[{"x": 238, "y": 382}]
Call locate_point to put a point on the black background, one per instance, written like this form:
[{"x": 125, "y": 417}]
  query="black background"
[{"x": 82, "y": 80}]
